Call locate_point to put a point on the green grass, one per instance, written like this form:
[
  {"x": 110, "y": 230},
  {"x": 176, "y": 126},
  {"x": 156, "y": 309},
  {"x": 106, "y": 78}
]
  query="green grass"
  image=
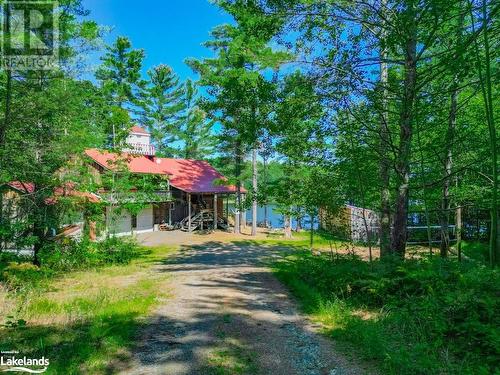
[
  {"x": 321, "y": 239},
  {"x": 479, "y": 251},
  {"x": 84, "y": 322},
  {"x": 301, "y": 240},
  {"x": 232, "y": 359},
  {"x": 425, "y": 316}
]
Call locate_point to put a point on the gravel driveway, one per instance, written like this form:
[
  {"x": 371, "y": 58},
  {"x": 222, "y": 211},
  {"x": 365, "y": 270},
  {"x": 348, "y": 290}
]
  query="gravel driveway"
[{"x": 229, "y": 315}]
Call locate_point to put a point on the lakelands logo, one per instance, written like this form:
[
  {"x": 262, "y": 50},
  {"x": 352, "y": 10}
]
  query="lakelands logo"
[
  {"x": 30, "y": 35},
  {"x": 10, "y": 363}
]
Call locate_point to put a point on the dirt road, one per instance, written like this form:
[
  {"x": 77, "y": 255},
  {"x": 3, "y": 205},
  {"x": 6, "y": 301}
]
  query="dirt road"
[{"x": 229, "y": 315}]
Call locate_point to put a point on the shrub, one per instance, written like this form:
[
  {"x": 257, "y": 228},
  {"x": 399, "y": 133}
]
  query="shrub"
[
  {"x": 64, "y": 256},
  {"x": 72, "y": 255},
  {"x": 116, "y": 250},
  {"x": 22, "y": 275},
  {"x": 427, "y": 315}
]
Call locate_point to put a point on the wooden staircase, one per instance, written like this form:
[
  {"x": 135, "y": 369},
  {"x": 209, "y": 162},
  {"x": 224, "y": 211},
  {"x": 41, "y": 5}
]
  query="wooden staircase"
[{"x": 203, "y": 220}]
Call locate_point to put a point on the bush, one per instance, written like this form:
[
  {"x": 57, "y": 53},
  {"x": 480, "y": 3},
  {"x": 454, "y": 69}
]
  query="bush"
[
  {"x": 422, "y": 316},
  {"x": 64, "y": 256},
  {"x": 72, "y": 255},
  {"x": 22, "y": 275}
]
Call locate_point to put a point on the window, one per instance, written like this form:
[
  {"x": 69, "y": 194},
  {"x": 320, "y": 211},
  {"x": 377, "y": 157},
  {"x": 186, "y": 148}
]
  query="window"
[{"x": 134, "y": 221}]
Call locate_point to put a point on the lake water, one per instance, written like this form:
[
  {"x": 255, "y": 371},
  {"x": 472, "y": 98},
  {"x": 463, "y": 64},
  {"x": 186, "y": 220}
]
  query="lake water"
[{"x": 273, "y": 217}]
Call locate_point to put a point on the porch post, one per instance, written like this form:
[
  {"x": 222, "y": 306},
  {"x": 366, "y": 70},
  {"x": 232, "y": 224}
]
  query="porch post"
[
  {"x": 243, "y": 213},
  {"x": 189, "y": 212},
  {"x": 215, "y": 211}
]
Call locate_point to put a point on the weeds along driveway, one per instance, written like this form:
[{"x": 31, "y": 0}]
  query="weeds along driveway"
[{"x": 229, "y": 315}]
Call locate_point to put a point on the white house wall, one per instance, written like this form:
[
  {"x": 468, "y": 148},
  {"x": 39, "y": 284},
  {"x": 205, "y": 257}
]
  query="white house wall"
[
  {"x": 138, "y": 138},
  {"x": 145, "y": 219},
  {"x": 122, "y": 223},
  {"x": 118, "y": 223}
]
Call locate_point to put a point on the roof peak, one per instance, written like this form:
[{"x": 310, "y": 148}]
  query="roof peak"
[{"x": 138, "y": 130}]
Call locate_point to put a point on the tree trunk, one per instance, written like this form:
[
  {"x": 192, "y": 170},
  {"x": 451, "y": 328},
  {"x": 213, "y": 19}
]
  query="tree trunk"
[
  {"x": 265, "y": 190},
  {"x": 459, "y": 225},
  {"x": 485, "y": 82},
  {"x": 399, "y": 230},
  {"x": 385, "y": 195},
  {"x": 368, "y": 235},
  {"x": 238, "y": 161},
  {"x": 424, "y": 187},
  {"x": 495, "y": 224},
  {"x": 265, "y": 215},
  {"x": 288, "y": 227},
  {"x": 445, "y": 203},
  {"x": 243, "y": 214},
  {"x": 298, "y": 228},
  {"x": 450, "y": 139},
  {"x": 254, "y": 196},
  {"x": 311, "y": 229},
  {"x": 39, "y": 234},
  {"x": 237, "y": 218}
]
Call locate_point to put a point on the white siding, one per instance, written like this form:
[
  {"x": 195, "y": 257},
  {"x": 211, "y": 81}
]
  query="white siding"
[
  {"x": 145, "y": 219},
  {"x": 143, "y": 139},
  {"x": 122, "y": 223},
  {"x": 118, "y": 223}
]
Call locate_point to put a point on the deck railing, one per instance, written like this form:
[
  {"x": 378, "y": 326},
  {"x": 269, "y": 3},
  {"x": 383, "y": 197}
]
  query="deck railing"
[
  {"x": 139, "y": 149},
  {"x": 137, "y": 197}
]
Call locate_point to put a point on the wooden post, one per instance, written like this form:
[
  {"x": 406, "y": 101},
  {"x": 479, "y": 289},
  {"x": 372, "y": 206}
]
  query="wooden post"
[
  {"x": 189, "y": 212},
  {"x": 243, "y": 214},
  {"x": 92, "y": 231},
  {"x": 215, "y": 211}
]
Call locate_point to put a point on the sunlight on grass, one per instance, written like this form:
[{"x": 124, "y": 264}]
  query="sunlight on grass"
[
  {"x": 412, "y": 317},
  {"x": 87, "y": 319},
  {"x": 232, "y": 358}
]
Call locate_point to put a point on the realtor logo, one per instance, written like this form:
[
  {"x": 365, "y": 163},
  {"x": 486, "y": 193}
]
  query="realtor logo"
[
  {"x": 30, "y": 35},
  {"x": 11, "y": 363}
]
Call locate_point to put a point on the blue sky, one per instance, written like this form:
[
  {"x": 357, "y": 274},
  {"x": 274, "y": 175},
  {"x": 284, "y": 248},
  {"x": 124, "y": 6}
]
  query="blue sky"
[{"x": 168, "y": 30}]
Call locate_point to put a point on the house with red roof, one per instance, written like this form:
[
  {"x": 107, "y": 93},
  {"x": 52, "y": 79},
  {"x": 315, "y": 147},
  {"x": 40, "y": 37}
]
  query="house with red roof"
[{"x": 192, "y": 199}]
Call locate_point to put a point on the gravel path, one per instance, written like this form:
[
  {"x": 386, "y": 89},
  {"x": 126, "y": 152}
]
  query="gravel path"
[{"x": 229, "y": 315}]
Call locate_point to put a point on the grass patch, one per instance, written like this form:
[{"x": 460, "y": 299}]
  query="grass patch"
[
  {"x": 84, "y": 322},
  {"x": 479, "y": 251},
  {"x": 423, "y": 316},
  {"x": 321, "y": 239},
  {"x": 231, "y": 359}
]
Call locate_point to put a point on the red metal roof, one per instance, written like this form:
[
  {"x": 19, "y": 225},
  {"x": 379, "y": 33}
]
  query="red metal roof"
[
  {"x": 192, "y": 176},
  {"x": 134, "y": 163},
  {"x": 68, "y": 189},
  {"x": 138, "y": 130},
  {"x": 23, "y": 187}
]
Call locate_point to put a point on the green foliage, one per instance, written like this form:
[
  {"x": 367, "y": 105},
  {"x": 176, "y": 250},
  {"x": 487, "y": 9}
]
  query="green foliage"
[
  {"x": 68, "y": 255},
  {"x": 426, "y": 316},
  {"x": 121, "y": 84},
  {"x": 72, "y": 255},
  {"x": 196, "y": 132},
  {"x": 161, "y": 107},
  {"x": 476, "y": 250},
  {"x": 89, "y": 320},
  {"x": 240, "y": 81},
  {"x": 22, "y": 276}
]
